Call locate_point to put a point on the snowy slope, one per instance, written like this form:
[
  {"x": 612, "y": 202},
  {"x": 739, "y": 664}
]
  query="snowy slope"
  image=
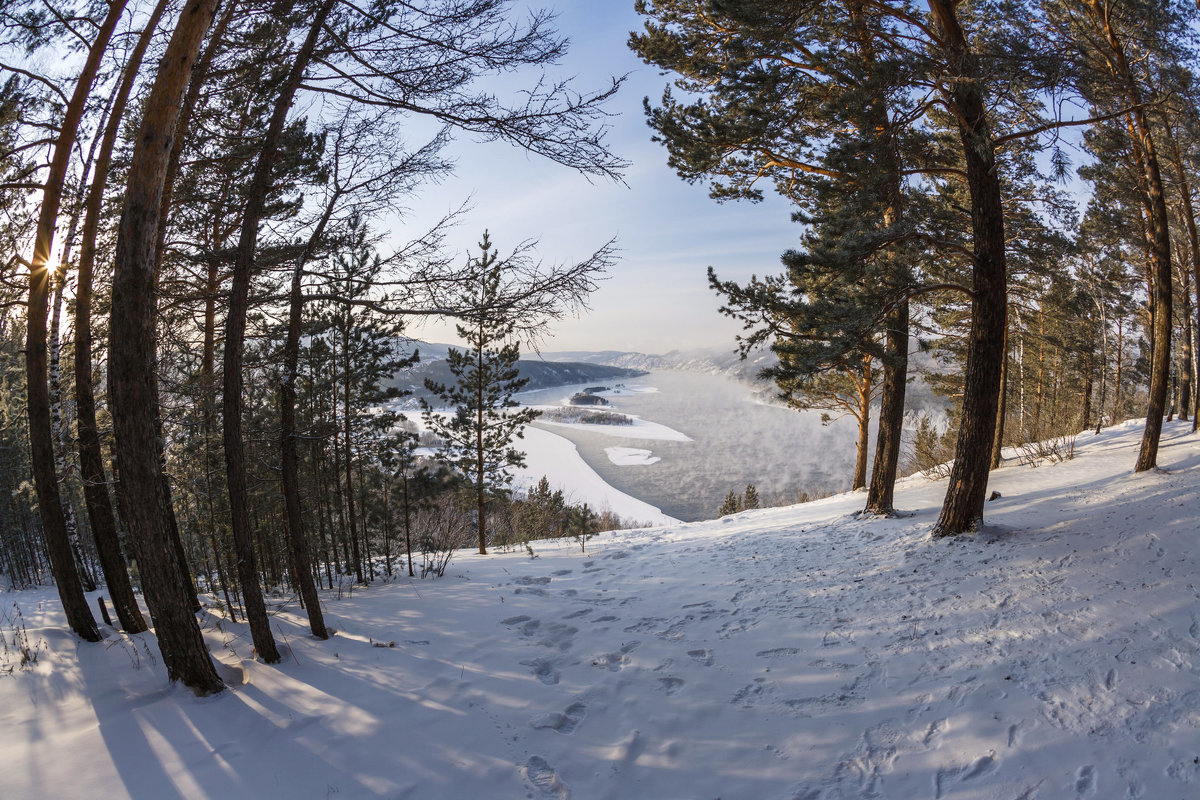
[{"x": 786, "y": 654}]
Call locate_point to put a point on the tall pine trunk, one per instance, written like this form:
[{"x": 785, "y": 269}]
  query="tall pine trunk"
[
  {"x": 41, "y": 438},
  {"x": 864, "y": 426},
  {"x": 91, "y": 457},
  {"x": 1002, "y": 410},
  {"x": 290, "y": 463},
  {"x": 347, "y": 454},
  {"x": 962, "y": 509},
  {"x": 1193, "y": 240},
  {"x": 1159, "y": 234},
  {"x": 480, "y": 453},
  {"x": 881, "y": 492},
  {"x": 235, "y": 342},
  {"x": 888, "y": 440},
  {"x": 132, "y": 364}
]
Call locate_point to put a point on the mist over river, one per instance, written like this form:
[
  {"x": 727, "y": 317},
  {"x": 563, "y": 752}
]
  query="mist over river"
[{"x": 736, "y": 439}]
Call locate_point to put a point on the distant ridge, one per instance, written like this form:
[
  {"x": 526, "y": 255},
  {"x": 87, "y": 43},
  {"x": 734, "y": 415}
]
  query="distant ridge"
[
  {"x": 713, "y": 361},
  {"x": 920, "y": 398},
  {"x": 542, "y": 373}
]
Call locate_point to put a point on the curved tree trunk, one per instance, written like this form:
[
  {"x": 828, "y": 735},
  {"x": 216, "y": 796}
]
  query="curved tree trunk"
[
  {"x": 192, "y": 95},
  {"x": 54, "y": 526},
  {"x": 132, "y": 357},
  {"x": 91, "y": 457},
  {"x": 1159, "y": 235},
  {"x": 235, "y": 342},
  {"x": 58, "y": 426},
  {"x": 962, "y": 509}
]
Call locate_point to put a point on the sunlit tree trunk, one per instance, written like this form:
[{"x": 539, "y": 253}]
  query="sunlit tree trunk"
[
  {"x": 962, "y": 509},
  {"x": 864, "y": 425},
  {"x": 54, "y": 524},
  {"x": 132, "y": 364},
  {"x": 91, "y": 457}
]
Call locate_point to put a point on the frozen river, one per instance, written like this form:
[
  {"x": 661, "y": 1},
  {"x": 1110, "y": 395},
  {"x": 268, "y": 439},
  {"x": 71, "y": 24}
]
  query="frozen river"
[{"x": 735, "y": 439}]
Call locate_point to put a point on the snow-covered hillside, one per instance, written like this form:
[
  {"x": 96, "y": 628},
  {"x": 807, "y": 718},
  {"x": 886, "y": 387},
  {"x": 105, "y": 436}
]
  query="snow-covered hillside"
[{"x": 788, "y": 654}]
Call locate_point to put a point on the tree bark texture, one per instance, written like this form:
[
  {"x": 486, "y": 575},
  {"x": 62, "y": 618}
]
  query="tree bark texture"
[
  {"x": 91, "y": 457},
  {"x": 962, "y": 509},
  {"x": 1193, "y": 240},
  {"x": 132, "y": 357}
]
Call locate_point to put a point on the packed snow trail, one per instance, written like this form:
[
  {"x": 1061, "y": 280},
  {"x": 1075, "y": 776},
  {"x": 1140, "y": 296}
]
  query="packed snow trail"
[{"x": 803, "y": 653}]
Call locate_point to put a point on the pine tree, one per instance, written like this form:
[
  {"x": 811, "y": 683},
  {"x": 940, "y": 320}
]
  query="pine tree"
[
  {"x": 790, "y": 92},
  {"x": 132, "y": 373},
  {"x": 478, "y": 435},
  {"x": 750, "y": 497},
  {"x": 732, "y": 504}
]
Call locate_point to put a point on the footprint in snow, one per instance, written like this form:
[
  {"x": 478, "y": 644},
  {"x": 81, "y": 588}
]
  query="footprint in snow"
[
  {"x": 703, "y": 657},
  {"x": 778, "y": 651},
  {"x": 558, "y": 573},
  {"x": 565, "y": 721},
  {"x": 1085, "y": 781},
  {"x": 526, "y": 580},
  {"x": 561, "y": 637},
  {"x": 1015, "y": 733},
  {"x": 515, "y": 620},
  {"x": 544, "y": 670},
  {"x": 984, "y": 765},
  {"x": 542, "y": 777},
  {"x": 745, "y": 696},
  {"x": 939, "y": 726},
  {"x": 615, "y": 662},
  {"x": 671, "y": 685}
]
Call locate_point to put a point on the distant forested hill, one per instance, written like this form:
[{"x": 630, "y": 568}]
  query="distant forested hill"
[
  {"x": 715, "y": 361},
  {"x": 542, "y": 374}
]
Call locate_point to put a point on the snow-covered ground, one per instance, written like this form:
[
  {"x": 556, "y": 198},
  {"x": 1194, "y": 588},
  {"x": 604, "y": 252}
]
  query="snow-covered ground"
[{"x": 786, "y": 654}]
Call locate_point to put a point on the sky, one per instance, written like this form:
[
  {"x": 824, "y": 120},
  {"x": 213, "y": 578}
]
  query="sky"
[{"x": 656, "y": 297}]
